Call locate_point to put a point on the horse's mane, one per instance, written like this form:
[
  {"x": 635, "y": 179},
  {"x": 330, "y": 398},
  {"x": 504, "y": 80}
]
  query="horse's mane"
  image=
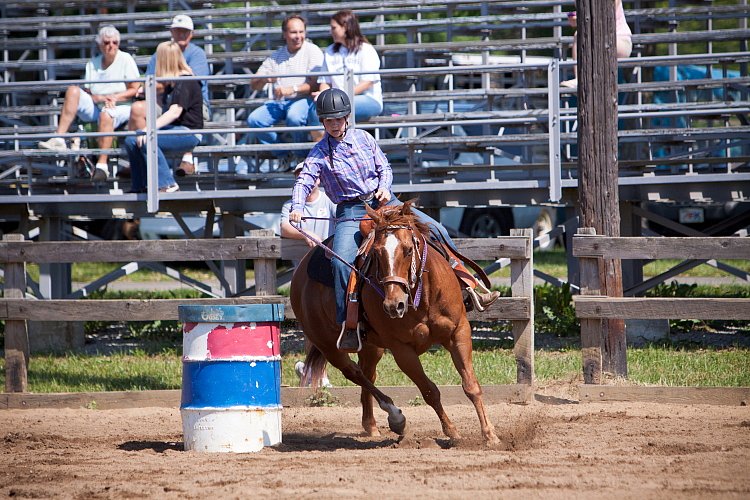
[{"x": 402, "y": 216}]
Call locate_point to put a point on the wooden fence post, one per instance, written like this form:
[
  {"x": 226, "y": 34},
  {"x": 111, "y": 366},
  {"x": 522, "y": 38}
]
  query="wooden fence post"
[
  {"x": 265, "y": 269},
  {"x": 522, "y": 285},
  {"x": 16, "y": 334},
  {"x": 591, "y": 329}
]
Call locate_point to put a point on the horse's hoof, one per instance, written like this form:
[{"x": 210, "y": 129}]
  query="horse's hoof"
[
  {"x": 397, "y": 423},
  {"x": 492, "y": 440},
  {"x": 371, "y": 432}
]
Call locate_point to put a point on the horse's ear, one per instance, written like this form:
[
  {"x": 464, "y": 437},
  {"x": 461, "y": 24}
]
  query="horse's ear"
[
  {"x": 407, "y": 206},
  {"x": 373, "y": 214}
]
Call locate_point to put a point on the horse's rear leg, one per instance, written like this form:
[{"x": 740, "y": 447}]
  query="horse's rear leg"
[
  {"x": 408, "y": 361},
  {"x": 368, "y": 362},
  {"x": 461, "y": 351}
]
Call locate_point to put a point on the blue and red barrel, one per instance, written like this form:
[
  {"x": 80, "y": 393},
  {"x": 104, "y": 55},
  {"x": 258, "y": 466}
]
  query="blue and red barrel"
[{"x": 231, "y": 377}]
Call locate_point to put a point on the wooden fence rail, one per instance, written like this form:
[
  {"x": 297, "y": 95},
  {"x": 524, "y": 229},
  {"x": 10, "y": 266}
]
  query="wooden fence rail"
[
  {"x": 16, "y": 310},
  {"x": 592, "y": 306}
]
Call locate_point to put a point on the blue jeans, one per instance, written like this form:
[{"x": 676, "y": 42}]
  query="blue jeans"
[
  {"x": 295, "y": 113},
  {"x": 348, "y": 238},
  {"x": 167, "y": 143},
  {"x": 366, "y": 107}
]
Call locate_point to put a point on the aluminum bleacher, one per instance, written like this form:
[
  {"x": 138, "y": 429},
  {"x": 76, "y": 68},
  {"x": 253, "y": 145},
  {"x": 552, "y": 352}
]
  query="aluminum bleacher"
[{"x": 472, "y": 102}]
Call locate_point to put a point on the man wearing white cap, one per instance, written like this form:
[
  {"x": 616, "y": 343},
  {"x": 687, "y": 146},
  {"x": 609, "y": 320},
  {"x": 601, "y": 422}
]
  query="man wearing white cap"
[{"x": 181, "y": 29}]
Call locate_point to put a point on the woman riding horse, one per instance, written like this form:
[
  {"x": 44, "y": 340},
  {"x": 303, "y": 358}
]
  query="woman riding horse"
[
  {"x": 411, "y": 302},
  {"x": 354, "y": 172}
]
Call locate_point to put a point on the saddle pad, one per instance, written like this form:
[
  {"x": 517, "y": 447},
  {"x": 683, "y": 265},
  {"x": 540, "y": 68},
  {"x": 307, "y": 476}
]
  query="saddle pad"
[{"x": 319, "y": 267}]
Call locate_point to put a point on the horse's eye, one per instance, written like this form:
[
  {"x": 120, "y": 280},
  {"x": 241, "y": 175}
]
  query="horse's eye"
[{"x": 409, "y": 251}]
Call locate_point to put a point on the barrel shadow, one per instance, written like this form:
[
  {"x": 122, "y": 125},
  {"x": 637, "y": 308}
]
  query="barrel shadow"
[{"x": 157, "y": 446}]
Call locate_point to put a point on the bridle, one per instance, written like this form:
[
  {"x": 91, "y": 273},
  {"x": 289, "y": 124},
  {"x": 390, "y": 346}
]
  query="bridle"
[{"x": 416, "y": 272}]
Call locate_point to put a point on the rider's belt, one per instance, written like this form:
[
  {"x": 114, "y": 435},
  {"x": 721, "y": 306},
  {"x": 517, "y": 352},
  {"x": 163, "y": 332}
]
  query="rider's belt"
[{"x": 366, "y": 197}]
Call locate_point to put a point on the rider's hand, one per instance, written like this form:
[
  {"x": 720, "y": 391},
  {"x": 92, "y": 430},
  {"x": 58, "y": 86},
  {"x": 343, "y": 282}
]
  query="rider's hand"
[
  {"x": 383, "y": 195},
  {"x": 312, "y": 239},
  {"x": 295, "y": 216}
]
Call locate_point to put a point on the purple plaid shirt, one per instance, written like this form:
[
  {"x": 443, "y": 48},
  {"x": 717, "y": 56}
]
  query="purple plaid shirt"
[{"x": 359, "y": 168}]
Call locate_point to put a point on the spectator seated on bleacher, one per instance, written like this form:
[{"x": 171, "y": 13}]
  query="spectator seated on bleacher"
[
  {"x": 292, "y": 94},
  {"x": 350, "y": 49},
  {"x": 182, "y": 109},
  {"x": 108, "y": 104},
  {"x": 181, "y": 30}
]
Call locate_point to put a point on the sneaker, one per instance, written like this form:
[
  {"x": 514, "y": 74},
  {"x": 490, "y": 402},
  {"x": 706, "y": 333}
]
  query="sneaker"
[
  {"x": 571, "y": 84},
  {"x": 349, "y": 340},
  {"x": 286, "y": 163},
  {"x": 170, "y": 189},
  {"x": 185, "y": 168},
  {"x": 54, "y": 144},
  {"x": 101, "y": 172}
]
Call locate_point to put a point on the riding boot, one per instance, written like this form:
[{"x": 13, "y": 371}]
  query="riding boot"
[
  {"x": 482, "y": 300},
  {"x": 479, "y": 299}
]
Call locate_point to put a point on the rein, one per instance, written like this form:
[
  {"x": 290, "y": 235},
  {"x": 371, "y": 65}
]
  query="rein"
[{"x": 334, "y": 254}]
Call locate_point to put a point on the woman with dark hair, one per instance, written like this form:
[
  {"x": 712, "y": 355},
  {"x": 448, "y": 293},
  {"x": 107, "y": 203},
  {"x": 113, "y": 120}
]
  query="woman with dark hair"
[{"x": 351, "y": 50}]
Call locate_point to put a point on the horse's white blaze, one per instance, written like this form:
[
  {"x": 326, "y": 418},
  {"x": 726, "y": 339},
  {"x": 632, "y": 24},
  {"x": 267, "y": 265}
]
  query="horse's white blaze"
[{"x": 391, "y": 244}]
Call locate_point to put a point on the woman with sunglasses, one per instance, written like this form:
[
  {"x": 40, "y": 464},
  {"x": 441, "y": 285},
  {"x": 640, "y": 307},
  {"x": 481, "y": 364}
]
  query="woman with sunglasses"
[{"x": 106, "y": 103}]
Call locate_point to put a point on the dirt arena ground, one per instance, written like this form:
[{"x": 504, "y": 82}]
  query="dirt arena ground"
[{"x": 553, "y": 448}]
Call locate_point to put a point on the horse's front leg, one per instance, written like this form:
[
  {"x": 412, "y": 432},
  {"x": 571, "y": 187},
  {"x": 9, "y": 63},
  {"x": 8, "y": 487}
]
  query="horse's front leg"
[
  {"x": 368, "y": 362},
  {"x": 408, "y": 361},
  {"x": 352, "y": 371},
  {"x": 461, "y": 351}
]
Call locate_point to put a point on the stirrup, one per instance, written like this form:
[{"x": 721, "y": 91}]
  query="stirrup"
[
  {"x": 346, "y": 348},
  {"x": 477, "y": 300}
]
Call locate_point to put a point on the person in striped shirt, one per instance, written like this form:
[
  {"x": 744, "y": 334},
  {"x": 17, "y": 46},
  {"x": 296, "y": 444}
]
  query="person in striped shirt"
[
  {"x": 353, "y": 170},
  {"x": 292, "y": 101}
]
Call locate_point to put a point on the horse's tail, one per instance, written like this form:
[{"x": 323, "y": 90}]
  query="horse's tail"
[{"x": 315, "y": 367}]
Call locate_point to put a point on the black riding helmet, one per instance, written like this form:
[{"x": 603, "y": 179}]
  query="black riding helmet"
[{"x": 333, "y": 103}]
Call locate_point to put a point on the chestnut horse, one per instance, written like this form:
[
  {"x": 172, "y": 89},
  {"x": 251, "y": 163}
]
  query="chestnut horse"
[{"x": 404, "y": 277}]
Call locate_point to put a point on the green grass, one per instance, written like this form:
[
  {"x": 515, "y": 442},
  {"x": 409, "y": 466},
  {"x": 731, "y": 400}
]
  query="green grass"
[
  {"x": 552, "y": 262},
  {"x": 161, "y": 367},
  {"x": 668, "y": 366}
]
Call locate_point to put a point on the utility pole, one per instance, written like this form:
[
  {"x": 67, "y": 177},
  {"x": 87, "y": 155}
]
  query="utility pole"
[{"x": 597, "y": 158}]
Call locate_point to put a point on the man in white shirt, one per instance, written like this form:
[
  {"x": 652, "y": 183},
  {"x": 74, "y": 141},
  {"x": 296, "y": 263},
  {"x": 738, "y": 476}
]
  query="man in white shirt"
[
  {"x": 108, "y": 104},
  {"x": 291, "y": 94}
]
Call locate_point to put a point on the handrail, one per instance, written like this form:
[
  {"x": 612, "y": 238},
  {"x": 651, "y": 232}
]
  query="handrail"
[{"x": 554, "y": 114}]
